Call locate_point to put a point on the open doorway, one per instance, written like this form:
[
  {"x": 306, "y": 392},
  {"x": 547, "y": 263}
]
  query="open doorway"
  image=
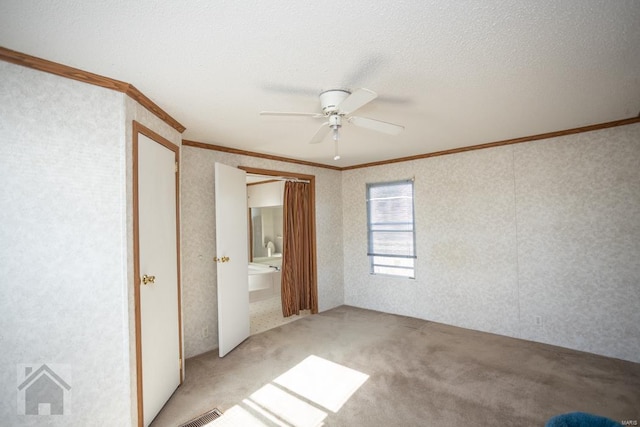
[{"x": 266, "y": 242}]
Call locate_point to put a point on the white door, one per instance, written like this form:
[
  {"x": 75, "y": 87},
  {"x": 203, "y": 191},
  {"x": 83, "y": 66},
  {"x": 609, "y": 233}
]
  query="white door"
[
  {"x": 231, "y": 257},
  {"x": 159, "y": 322}
]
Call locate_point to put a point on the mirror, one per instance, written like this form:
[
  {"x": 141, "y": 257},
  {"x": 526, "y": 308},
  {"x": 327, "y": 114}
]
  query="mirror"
[{"x": 266, "y": 227}]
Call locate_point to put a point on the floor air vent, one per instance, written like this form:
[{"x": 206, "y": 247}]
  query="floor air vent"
[{"x": 203, "y": 419}]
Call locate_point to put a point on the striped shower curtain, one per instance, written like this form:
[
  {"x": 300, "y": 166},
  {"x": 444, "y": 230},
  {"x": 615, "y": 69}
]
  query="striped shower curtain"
[{"x": 299, "y": 290}]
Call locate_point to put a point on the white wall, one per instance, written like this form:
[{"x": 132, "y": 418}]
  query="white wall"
[
  {"x": 198, "y": 239},
  {"x": 547, "y": 229},
  {"x": 66, "y": 258}
]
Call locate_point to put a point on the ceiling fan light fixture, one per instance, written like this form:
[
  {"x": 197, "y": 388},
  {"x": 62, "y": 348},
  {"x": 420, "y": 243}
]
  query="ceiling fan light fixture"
[
  {"x": 336, "y": 155},
  {"x": 335, "y": 123},
  {"x": 336, "y": 134}
]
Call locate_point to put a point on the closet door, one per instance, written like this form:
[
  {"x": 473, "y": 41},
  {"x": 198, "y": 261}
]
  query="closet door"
[{"x": 157, "y": 281}]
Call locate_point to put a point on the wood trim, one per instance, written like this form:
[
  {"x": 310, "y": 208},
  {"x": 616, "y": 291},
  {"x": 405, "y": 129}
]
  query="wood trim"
[
  {"x": 188, "y": 143},
  {"x": 314, "y": 249},
  {"x": 501, "y": 143},
  {"x": 136, "y": 275},
  {"x": 312, "y": 208},
  {"x": 138, "y": 128},
  {"x": 269, "y": 172},
  {"x": 179, "y": 264},
  {"x": 40, "y": 64},
  {"x": 547, "y": 135},
  {"x": 147, "y": 103}
]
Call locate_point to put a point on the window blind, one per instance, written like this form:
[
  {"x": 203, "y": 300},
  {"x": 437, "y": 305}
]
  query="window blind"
[{"x": 391, "y": 228}]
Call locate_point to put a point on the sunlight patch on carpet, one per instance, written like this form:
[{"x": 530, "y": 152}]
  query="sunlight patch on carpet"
[
  {"x": 323, "y": 382},
  {"x": 288, "y": 407},
  {"x": 297, "y": 398}
]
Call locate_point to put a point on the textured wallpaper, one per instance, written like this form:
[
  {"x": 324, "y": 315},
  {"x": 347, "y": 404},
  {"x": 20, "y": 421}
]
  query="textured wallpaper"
[
  {"x": 465, "y": 242},
  {"x": 63, "y": 273},
  {"x": 578, "y": 213},
  {"x": 66, "y": 262},
  {"x": 198, "y": 239},
  {"x": 538, "y": 240}
]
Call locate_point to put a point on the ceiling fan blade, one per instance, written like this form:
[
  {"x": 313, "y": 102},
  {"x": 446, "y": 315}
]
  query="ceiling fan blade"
[
  {"x": 286, "y": 113},
  {"x": 377, "y": 125},
  {"x": 321, "y": 134},
  {"x": 357, "y": 99}
]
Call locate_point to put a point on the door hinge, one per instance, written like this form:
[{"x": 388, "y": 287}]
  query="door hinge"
[{"x": 176, "y": 167}]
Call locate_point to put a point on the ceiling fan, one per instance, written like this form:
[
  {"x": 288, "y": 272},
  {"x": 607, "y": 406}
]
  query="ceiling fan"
[{"x": 337, "y": 106}]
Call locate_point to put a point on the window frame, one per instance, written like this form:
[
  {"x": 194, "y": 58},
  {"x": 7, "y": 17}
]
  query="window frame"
[{"x": 370, "y": 230}]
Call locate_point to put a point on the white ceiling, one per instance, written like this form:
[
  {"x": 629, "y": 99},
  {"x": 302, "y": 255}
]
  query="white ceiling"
[{"x": 454, "y": 73}]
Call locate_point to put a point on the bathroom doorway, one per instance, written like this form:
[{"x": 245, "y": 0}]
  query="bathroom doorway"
[{"x": 265, "y": 190}]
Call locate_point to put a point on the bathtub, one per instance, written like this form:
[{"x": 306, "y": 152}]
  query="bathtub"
[{"x": 264, "y": 282}]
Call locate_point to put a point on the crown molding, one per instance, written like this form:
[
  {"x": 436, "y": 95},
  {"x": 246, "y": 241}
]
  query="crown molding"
[
  {"x": 537, "y": 137},
  {"x": 188, "y": 143},
  {"x": 530, "y": 138},
  {"x": 40, "y": 64}
]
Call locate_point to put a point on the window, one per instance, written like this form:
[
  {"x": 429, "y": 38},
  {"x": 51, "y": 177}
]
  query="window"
[{"x": 391, "y": 228}]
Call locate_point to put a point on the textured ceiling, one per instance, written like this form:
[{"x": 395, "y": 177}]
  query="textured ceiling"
[{"x": 455, "y": 74}]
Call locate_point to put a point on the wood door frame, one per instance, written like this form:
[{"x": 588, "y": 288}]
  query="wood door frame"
[
  {"x": 312, "y": 209},
  {"x": 139, "y": 128}
]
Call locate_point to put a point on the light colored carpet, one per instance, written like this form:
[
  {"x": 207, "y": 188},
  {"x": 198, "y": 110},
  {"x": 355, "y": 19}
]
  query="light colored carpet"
[
  {"x": 366, "y": 368},
  {"x": 267, "y": 314}
]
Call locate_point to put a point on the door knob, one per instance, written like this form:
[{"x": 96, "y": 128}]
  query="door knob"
[
  {"x": 223, "y": 259},
  {"x": 148, "y": 279}
]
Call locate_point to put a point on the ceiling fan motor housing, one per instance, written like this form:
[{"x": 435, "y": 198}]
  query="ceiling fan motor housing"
[{"x": 331, "y": 99}]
